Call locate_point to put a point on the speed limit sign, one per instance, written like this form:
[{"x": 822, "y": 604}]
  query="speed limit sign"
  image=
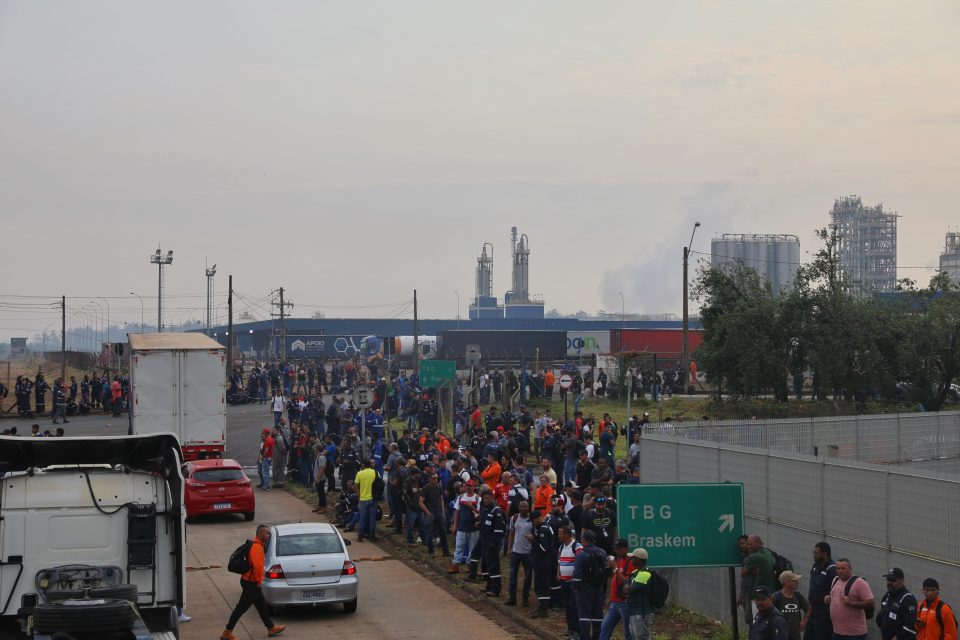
[{"x": 566, "y": 381}]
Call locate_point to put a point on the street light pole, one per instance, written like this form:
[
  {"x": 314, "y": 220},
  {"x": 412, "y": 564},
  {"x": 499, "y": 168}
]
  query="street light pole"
[
  {"x": 684, "y": 373},
  {"x": 623, "y": 310},
  {"x": 141, "y": 309},
  {"x": 160, "y": 260},
  {"x": 458, "y": 308}
]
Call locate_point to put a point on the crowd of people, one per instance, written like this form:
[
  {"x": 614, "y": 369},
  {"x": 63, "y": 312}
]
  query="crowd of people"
[
  {"x": 95, "y": 391},
  {"x": 839, "y": 605}
]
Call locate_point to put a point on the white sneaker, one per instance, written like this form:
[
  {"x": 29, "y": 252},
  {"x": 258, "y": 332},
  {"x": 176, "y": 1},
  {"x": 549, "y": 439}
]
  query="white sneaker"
[
  {"x": 419, "y": 540},
  {"x": 184, "y": 618}
]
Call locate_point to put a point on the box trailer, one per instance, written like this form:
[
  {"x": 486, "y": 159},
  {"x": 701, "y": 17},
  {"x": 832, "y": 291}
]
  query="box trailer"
[
  {"x": 178, "y": 384},
  {"x": 92, "y": 536},
  {"x": 502, "y": 347}
]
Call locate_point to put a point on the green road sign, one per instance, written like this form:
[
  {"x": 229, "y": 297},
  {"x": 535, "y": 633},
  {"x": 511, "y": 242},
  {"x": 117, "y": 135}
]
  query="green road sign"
[
  {"x": 434, "y": 373},
  {"x": 683, "y": 525}
]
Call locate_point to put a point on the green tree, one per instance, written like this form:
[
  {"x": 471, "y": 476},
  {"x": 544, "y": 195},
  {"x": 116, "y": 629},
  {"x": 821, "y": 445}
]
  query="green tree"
[{"x": 745, "y": 346}]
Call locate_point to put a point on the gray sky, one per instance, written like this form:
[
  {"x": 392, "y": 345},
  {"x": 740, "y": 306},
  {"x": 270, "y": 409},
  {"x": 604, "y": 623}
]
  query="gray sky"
[{"x": 351, "y": 152}]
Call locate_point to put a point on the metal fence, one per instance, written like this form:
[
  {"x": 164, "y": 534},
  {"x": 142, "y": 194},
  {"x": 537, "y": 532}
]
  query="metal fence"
[
  {"x": 878, "y": 516},
  {"x": 921, "y": 441}
]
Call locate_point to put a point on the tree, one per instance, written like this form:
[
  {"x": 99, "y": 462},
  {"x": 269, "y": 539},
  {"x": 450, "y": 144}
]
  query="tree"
[{"x": 745, "y": 347}]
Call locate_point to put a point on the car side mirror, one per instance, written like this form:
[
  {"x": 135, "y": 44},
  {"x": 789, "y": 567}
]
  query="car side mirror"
[{"x": 347, "y": 542}]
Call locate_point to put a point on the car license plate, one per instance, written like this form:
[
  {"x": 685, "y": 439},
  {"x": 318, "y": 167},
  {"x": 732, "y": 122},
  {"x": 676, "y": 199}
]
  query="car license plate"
[
  {"x": 313, "y": 595},
  {"x": 222, "y": 505}
]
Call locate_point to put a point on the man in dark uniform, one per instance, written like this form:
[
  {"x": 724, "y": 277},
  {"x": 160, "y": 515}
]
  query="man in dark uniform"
[
  {"x": 59, "y": 402},
  {"x": 493, "y": 527},
  {"x": 603, "y": 523},
  {"x": 822, "y": 574},
  {"x": 898, "y": 609},
  {"x": 544, "y": 563},
  {"x": 40, "y": 389}
]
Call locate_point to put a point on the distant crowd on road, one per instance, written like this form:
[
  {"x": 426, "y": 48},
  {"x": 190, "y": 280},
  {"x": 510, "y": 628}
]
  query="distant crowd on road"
[{"x": 69, "y": 398}]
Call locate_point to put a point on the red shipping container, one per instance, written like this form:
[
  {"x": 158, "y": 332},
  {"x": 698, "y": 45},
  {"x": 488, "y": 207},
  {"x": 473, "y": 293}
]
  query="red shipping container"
[{"x": 659, "y": 341}]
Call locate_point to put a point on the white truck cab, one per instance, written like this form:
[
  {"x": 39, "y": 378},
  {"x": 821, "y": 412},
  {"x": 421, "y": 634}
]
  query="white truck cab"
[{"x": 92, "y": 536}]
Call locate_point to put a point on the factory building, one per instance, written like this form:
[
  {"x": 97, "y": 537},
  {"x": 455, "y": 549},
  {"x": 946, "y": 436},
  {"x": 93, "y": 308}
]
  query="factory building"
[
  {"x": 867, "y": 245},
  {"x": 775, "y": 258},
  {"x": 950, "y": 258}
]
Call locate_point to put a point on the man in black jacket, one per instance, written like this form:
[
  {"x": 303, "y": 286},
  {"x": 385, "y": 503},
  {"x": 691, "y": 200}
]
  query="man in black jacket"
[
  {"x": 822, "y": 574},
  {"x": 898, "y": 609},
  {"x": 768, "y": 624}
]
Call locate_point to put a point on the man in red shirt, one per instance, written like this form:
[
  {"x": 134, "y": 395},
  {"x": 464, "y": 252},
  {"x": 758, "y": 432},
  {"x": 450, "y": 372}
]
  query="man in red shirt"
[
  {"x": 618, "y": 604},
  {"x": 250, "y": 592},
  {"x": 266, "y": 459},
  {"x": 116, "y": 396},
  {"x": 476, "y": 418}
]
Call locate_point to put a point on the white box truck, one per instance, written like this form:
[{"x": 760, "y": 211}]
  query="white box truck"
[
  {"x": 91, "y": 537},
  {"x": 178, "y": 384}
]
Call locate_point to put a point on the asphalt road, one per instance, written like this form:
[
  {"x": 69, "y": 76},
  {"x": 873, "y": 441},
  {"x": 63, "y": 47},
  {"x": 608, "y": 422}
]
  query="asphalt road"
[{"x": 244, "y": 424}]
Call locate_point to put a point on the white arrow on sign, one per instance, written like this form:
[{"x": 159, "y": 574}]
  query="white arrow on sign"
[{"x": 726, "y": 522}]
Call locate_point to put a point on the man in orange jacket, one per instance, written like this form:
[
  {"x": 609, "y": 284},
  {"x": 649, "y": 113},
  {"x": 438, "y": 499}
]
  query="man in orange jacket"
[
  {"x": 491, "y": 472},
  {"x": 250, "y": 592},
  {"x": 929, "y": 625}
]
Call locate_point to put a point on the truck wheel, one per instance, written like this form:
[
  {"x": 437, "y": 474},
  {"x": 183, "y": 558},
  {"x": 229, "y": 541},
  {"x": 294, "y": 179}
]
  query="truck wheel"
[
  {"x": 83, "y": 616},
  {"x": 249, "y": 516},
  {"x": 126, "y": 592}
]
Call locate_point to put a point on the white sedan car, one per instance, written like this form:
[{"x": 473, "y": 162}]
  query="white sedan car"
[{"x": 307, "y": 564}]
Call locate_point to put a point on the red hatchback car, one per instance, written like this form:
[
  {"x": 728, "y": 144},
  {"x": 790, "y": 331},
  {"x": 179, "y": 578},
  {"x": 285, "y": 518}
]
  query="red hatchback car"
[{"x": 218, "y": 486}]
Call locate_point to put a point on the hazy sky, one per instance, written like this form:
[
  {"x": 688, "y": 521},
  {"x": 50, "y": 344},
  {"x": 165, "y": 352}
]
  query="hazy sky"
[{"x": 354, "y": 151}]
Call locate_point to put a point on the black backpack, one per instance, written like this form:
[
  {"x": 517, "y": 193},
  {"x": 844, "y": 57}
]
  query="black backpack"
[
  {"x": 239, "y": 561},
  {"x": 869, "y": 611},
  {"x": 780, "y": 564},
  {"x": 597, "y": 571},
  {"x": 658, "y": 590}
]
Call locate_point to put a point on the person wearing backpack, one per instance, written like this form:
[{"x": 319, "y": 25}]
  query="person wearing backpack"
[
  {"x": 590, "y": 573},
  {"x": 898, "y": 609},
  {"x": 250, "y": 581},
  {"x": 792, "y": 604},
  {"x": 851, "y": 602},
  {"x": 935, "y": 619},
  {"x": 758, "y": 571},
  {"x": 639, "y": 607}
]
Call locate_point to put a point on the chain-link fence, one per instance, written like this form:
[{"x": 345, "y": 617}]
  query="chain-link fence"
[
  {"x": 922, "y": 441},
  {"x": 878, "y": 516}
]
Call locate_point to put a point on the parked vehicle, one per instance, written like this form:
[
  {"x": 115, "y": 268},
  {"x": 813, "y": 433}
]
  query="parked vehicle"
[
  {"x": 177, "y": 383},
  {"x": 218, "y": 486},
  {"x": 92, "y": 536},
  {"x": 307, "y": 564}
]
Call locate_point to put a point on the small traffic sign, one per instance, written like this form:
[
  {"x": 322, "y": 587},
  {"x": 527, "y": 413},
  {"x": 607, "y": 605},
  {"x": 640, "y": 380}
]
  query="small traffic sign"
[
  {"x": 566, "y": 381},
  {"x": 363, "y": 397},
  {"x": 683, "y": 525}
]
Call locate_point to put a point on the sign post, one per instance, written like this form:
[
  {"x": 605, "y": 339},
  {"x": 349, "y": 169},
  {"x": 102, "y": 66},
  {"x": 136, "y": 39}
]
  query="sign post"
[
  {"x": 566, "y": 381},
  {"x": 363, "y": 398},
  {"x": 685, "y": 525}
]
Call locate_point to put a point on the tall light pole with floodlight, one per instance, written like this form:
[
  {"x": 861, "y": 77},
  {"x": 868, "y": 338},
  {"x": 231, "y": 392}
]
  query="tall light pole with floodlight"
[{"x": 159, "y": 259}]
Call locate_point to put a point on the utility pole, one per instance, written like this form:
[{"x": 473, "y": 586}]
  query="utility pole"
[
  {"x": 416, "y": 335},
  {"x": 684, "y": 363},
  {"x": 63, "y": 338},
  {"x": 283, "y": 325},
  {"x": 229, "y": 327}
]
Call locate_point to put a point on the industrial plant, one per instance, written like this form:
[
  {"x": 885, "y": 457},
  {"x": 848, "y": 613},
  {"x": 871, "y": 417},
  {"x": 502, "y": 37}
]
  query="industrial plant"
[
  {"x": 517, "y": 302},
  {"x": 867, "y": 245},
  {"x": 950, "y": 258},
  {"x": 775, "y": 257}
]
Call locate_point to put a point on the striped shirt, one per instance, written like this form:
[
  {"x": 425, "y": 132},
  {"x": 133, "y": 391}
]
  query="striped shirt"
[{"x": 566, "y": 557}]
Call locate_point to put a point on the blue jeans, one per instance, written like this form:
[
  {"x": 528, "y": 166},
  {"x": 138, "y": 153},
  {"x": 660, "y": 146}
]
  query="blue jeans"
[
  {"x": 516, "y": 561},
  {"x": 368, "y": 519},
  {"x": 276, "y": 418},
  {"x": 265, "y": 472},
  {"x": 415, "y": 517},
  {"x": 569, "y": 470},
  {"x": 616, "y": 614},
  {"x": 466, "y": 540}
]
